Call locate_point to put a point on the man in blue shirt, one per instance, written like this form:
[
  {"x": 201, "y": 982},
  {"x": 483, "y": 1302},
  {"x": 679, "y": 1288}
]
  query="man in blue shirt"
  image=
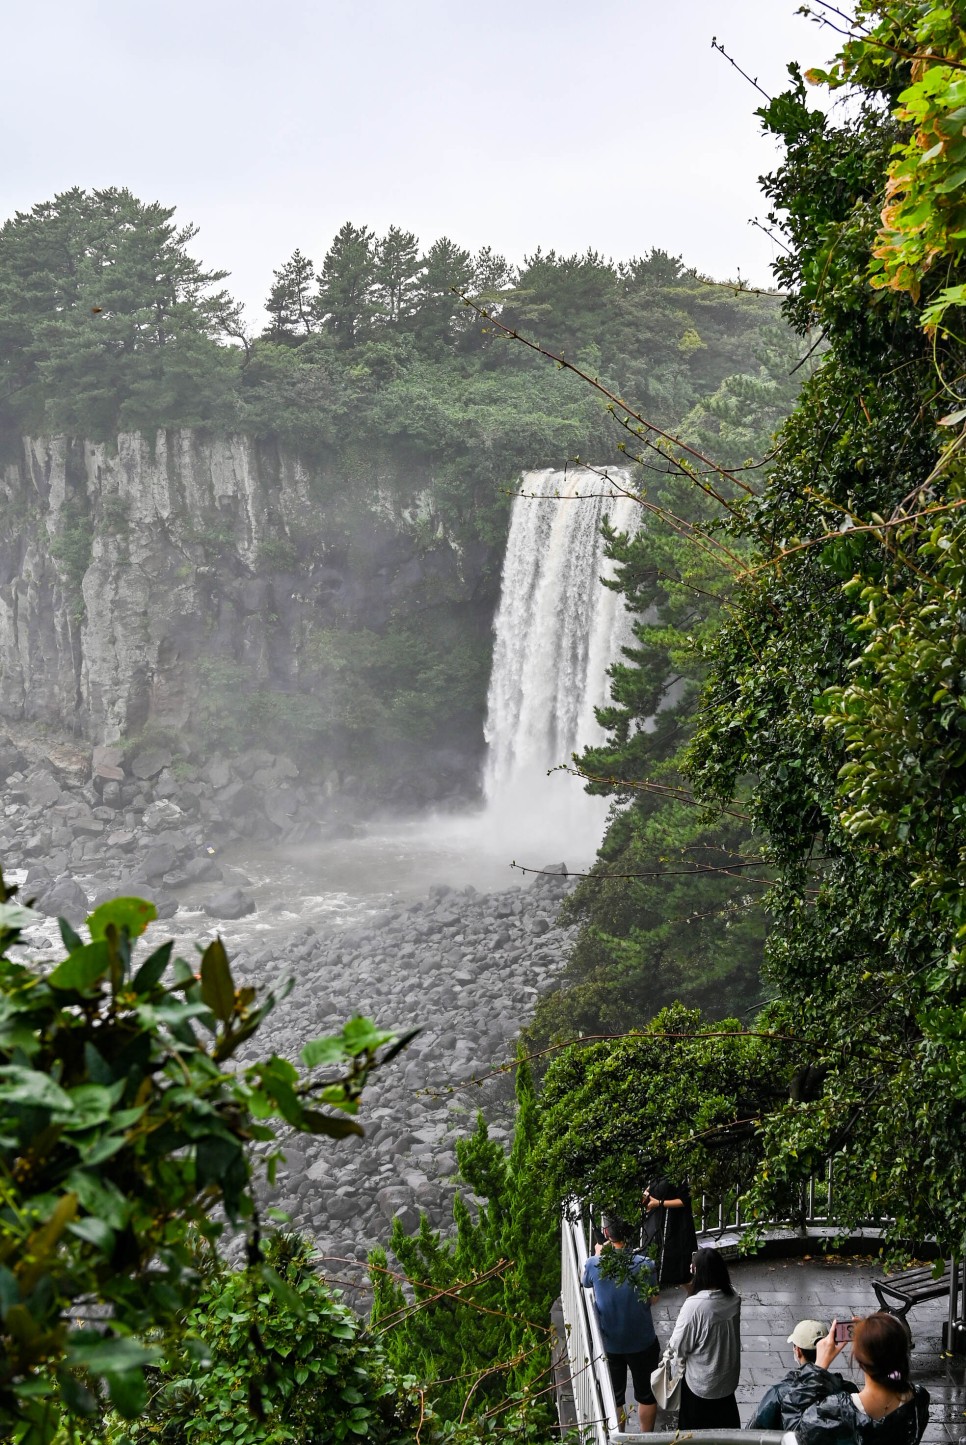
[{"x": 626, "y": 1327}]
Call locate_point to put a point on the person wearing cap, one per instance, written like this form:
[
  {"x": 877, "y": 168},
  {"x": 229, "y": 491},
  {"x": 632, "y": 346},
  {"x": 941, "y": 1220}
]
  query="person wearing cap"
[
  {"x": 626, "y": 1328},
  {"x": 784, "y": 1404}
]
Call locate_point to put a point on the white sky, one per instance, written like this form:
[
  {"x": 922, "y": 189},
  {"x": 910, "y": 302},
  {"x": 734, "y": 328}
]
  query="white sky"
[{"x": 268, "y": 123}]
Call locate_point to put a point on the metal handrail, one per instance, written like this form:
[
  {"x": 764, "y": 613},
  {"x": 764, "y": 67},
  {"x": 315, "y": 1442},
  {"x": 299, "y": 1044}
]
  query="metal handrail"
[
  {"x": 590, "y": 1381},
  {"x": 706, "y": 1437}
]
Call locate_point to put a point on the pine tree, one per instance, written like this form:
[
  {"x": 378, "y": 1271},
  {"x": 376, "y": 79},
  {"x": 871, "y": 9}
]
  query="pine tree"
[
  {"x": 447, "y": 268},
  {"x": 472, "y": 1317},
  {"x": 104, "y": 315},
  {"x": 346, "y": 300},
  {"x": 291, "y": 303},
  {"x": 397, "y": 267},
  {"x": 493, "y": 275}
]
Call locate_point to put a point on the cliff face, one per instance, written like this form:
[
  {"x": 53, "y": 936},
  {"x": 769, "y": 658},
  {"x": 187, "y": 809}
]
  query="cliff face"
[{"x": 136, "y": 579}]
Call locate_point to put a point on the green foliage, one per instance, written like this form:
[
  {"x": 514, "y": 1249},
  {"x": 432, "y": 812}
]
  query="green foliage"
[
  {"x": 832, "y": 711},
  {"x": 370, "y": 368},
  {"x": 680, "y": 1097},
  {"x": 126, "y": 1122},
  {"x": 370, "y": 694},
  {"x": 472, "y": 1318},
  {"x": 72, "y": 548},
  {"x": 105, "y": 320},
  {"x": 923, "y": 224},
  {"x": 270, "y": 1356},
  {"x": 833, "y": 702},
  {"x": 671, "y": 910}
]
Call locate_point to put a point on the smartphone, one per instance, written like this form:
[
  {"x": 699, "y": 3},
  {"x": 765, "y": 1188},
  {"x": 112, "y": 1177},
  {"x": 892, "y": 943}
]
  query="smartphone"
[{"x": 843, "y": 1331}]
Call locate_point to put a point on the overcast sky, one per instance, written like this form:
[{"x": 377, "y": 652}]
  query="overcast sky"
[{"x": 518, "y": 123}]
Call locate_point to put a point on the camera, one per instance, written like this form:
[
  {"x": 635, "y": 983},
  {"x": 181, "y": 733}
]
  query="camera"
[{"x": 844, "y": 1330}]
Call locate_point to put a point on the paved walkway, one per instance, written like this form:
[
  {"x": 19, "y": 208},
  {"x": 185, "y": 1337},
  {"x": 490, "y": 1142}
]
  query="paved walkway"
[{"x": 777, "y": 1292}]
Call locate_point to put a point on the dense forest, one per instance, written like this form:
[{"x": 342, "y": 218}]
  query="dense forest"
[{"x": 108, "y": 323}]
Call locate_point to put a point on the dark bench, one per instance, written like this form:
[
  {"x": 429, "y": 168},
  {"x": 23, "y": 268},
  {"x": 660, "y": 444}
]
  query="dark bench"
[{"x": 897, "y": 1293}]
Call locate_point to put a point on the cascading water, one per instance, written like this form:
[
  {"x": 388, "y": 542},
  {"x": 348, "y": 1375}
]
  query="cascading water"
[{"x": 558, "y": 629}]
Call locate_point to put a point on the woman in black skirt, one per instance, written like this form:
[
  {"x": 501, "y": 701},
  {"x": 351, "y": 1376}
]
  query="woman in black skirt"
[
  {"x": 670, "y": 1225},
  {"x": 707, "y": 1341}
]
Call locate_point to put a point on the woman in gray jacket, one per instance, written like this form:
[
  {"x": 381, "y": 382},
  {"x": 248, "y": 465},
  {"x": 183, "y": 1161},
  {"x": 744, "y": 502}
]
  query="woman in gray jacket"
[{"x": 707, "y": 1342}]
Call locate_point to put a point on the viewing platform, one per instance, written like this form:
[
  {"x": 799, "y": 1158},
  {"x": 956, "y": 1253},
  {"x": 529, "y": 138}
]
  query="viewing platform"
[{"x": 775, "y": 1293}]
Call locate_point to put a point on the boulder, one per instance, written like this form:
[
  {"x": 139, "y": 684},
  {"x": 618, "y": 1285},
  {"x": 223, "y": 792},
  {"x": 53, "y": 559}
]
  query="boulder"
[
  {"x": 161, "y": 858},
  {"x": 280, "y": 805},
  {"x": 149, "y": 763},
  {"x": 229, "y": 903},
  {"x": 137, "y": 886},
  {"x": 408, "y": 1216},
  {"x": 162, "y": 814},
  {"x": 167, "y": 785},
  {"x": 64, "y": 899},
  {"x": 12, "y": 759},
  {"x": 219, "y": 773},
  {"x": 42, "y": 789},
  {"x": 202, "y": 870}
]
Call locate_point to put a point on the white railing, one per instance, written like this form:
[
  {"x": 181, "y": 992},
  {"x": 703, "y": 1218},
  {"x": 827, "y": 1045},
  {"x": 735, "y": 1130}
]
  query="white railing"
[{"x": 592, "y": 1390}]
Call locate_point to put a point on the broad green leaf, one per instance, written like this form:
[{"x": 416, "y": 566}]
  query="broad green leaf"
[
  {"x": 130, "y": 914},
  {"x": 329, "y": 1050},
  {"x": 92, "y": 1103},
  {"x": 72, "y": 940},
  {"x": 128, "y": 1392},
  {"x": 93, "y": 1231},
  {"x": 89, "y": 1350},
  {"x": 317, "y": 1123},
  {"x": 360, "y": 1034},
  {"x": 100, "y": 1197},
  {"x": 217, "y": 984},
  {"x": 19, "y": 1085},
  {"x": 75, "y": 1394},
  {"x": 82, "y": 969},
  {"x": 152, "y": 969},
  {"x": 15, "y": 915}
]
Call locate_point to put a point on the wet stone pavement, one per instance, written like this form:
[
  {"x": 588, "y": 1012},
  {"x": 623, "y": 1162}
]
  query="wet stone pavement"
[{"x": 775, "y": 1293}]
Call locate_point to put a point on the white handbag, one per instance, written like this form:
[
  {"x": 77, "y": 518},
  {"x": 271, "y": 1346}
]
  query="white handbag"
[{"x": 666, "y": 1381}]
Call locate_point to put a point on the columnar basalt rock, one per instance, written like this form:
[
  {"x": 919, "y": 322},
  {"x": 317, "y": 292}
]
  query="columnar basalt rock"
[{"x": 135, "y": 573}]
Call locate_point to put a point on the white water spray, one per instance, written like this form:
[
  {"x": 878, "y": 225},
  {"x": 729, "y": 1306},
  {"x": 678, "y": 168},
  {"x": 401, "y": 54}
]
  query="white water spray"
[{"x": 558, "y": 629}]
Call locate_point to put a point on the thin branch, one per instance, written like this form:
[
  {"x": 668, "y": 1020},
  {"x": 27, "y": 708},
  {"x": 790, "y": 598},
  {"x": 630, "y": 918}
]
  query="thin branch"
[
  {"x": 866, "y": 37},
  {"x": 716, "y": 45},
  {"x": 808, "y": 353},
  {"x": 875, "y": 527},
  {"x": 771, "y": 235},
  {"x": 597, "y": 385},
  {"x": 695, "y": 871}
]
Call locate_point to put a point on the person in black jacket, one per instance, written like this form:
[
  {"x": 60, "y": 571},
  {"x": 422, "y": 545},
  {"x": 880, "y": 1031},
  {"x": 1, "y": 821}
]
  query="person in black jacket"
[
  {"x": 783, "y": 1405},
  {"x": 888, "y": 1409}
]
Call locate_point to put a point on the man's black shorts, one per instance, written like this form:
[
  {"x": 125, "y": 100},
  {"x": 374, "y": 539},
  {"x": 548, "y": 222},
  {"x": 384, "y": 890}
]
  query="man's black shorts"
[{"x": 641, "y": 1365}]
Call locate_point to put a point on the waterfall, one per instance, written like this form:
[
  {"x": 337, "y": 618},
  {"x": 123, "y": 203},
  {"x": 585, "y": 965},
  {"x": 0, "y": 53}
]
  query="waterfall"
[{"x": 557, "y": 631}]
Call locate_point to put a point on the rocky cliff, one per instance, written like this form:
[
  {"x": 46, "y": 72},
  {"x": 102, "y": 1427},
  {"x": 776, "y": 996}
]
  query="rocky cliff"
[{"x": 209, "y": 590}]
